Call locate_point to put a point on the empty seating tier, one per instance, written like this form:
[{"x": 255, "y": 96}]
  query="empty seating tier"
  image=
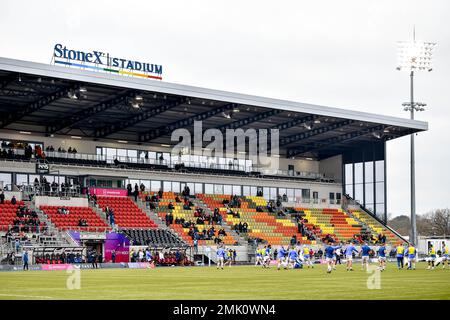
[
  {"x": 152, "y": 237},
  {"x": 71, "y": 220},
  {"x": 126, "y": 213}
]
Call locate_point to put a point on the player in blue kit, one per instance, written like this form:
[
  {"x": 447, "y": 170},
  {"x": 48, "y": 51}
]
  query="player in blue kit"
[
  {"x": 281, "y": 258},
  {"x": 220, "y": 257},
  {"x": 444, "y": 255},
  {"x": 349, "y": 255},
  {"x": 329, "y": 255},
  {"x": 365, "y": 256},
  {"x": 292, "y": 257},
  {"x": 382, "y": 257},
  {"x": 267, "y": 256}
]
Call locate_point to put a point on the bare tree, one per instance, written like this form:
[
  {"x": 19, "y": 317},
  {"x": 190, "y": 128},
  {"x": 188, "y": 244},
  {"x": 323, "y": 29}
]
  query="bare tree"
[{"x": 439, "y": 222}]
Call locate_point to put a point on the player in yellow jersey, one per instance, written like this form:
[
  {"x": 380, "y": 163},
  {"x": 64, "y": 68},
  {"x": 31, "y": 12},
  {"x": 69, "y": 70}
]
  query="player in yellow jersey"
[
  {"x": 400, "y": 256},
  {"x": 431, "y": 257},
  {"x": 307, "y": 257},
  {"x": 411, "y": 257},
  {"x": 259, "y": 256}
]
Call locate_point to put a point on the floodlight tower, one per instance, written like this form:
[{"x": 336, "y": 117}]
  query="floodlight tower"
[{"x": 414, "y": 56}]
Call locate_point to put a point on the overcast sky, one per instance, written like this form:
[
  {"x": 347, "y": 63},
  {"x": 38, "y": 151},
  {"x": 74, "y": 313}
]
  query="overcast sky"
[{"x": 333, "y": 53}]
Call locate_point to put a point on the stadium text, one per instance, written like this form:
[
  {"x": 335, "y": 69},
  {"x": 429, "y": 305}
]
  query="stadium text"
[{"x": 105, "y": 59}]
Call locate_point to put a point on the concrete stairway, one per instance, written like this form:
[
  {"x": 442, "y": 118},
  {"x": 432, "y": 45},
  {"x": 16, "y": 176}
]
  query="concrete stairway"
[{"x": 53, "y": 236}]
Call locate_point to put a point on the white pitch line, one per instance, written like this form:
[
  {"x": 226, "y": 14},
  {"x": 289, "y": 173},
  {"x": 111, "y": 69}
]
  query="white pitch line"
[{"x": 24, "y": 296}]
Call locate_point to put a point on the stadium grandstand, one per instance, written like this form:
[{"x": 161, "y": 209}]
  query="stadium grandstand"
[{"x": 88, "y": 173}]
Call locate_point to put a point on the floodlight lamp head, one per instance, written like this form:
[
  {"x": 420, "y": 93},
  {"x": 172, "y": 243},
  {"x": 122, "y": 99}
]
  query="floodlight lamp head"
[{"x": 415, "y": 55}]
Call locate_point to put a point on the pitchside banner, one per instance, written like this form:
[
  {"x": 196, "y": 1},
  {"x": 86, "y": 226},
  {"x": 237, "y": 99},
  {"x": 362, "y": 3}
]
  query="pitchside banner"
[
  {"x": 108, "y": 192},
  {"x": 120, "y": 244}
]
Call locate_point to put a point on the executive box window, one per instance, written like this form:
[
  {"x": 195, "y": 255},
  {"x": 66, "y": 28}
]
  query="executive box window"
[{"x": 5, "y": 180}]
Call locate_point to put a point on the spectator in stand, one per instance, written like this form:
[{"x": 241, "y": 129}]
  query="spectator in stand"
[
  {"x": 113, "y": 256},
  {"x": 13, "y": 200},
  {"x": 142, "y": 187},
  {"x": 2, "y": 197},
  {"x": 129, "y": 189},
  {"x": 136, "y": 191}
]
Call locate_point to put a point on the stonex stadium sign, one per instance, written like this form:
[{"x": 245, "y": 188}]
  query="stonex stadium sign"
[{"x": 103, "y": 61}]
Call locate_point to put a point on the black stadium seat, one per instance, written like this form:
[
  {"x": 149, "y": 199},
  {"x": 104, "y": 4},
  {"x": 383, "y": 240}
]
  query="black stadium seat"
[{"x": 152, "y": 237}]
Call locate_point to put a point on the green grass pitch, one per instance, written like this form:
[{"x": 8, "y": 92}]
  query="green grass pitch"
[{"x": 240, "y": 282}]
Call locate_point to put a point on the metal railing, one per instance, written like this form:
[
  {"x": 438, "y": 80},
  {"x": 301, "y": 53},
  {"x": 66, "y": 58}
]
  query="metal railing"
[{"x": 211, "y": 163}]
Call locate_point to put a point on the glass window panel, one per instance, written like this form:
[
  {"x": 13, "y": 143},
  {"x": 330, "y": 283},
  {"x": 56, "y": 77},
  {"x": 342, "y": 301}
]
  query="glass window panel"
[
  {"x": 209, "y": 188},
  {"x": 32, "y": 177},
  {"x": 132, "y": 155},
  {"x": 379, "y": 210},
  {"x": 282, "y": 191},
  {"x": 246, "y": 190},
  {"x": 379, "y": 170},
  {"x": 133, "y": 182},
  {"x": 155, "y": 185},
  {"x": 379, "y": 189},
  {"x": 22, "y": 179},
  {"x": 297, "y": 194},
  {"x": 358, "y": 172},
  {"x": 290, "y": 194},
  {"x": 218, "y": 189},
  {"x": 146, "y": 184},
  {"x": 5, "y": 180},
  {"x": 227, "y": 189},
  {"x": 368, "y": 171},
  {"x": 191, "y": 187},
  {"x": 359, "y": 192},
  {"x": 266, "y": 193},
  {"x": 151, "y": 155},
  {"x": 198, "y": 188},
  {"x": 348, "y": 174},
  {"x": 253, "y": 191},
  {"x": 176, "y": 187},
  {"x": 306, "y": 194},
  {"x": 273, "y": 193},
  {"x": 369, "y": 192},
  {"x": 167, "y": 186},
  {"x": 349, "y": 190},
  {"x": 237, "y": 190},
  {"x": 111, "y": 154}
]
